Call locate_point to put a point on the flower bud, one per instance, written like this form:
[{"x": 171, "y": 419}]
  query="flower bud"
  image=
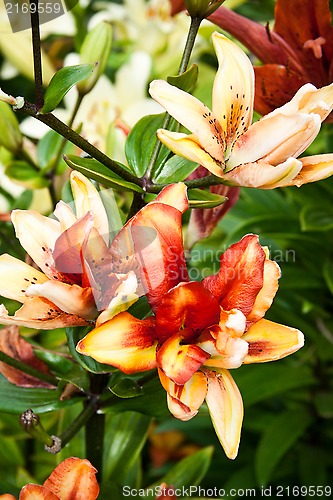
[
  {"x": 96, "y": 47},
  {"x": 202, "y": 8},
  {"x": 10, "y": 134}
]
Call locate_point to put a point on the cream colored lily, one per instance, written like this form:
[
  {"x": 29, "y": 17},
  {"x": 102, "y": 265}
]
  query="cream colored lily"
[
  {"x": 73, "y": 278},
  {"x": 262, "y": 155}
]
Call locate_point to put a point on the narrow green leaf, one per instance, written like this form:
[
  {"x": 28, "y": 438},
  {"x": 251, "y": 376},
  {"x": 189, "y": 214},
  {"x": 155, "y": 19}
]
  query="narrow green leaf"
[
  {"x": 260, "y": 382},
  {"x": 141, "y": 141},
  {"x": 62, "y": 82},
  {"x": 26, "y": 175},
  {"x": 188, "y": 472},
  {"x": 124, "y": 386},
  {"x": 125, "y": 437},
  {"x": 186, "y": 81},
  {"x": 16, "y": 400},
  {"x": 283, "y": 432},
  {"x": 73, "y": 336},
  {"x": 95, "y": 170},
  {"x": 176, "y": 169},
  {"x": 199, "y": 198},
  {"x": 316, "y": 218}
]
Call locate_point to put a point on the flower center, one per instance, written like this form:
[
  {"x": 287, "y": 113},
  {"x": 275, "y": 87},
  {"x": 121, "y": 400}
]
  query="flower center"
[{"x": 316, "y": 46}]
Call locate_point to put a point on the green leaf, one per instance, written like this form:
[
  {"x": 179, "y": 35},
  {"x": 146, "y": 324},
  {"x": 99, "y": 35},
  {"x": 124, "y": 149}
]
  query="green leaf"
[
  {"x": 316, "y": 218},
  {"x": 16, "y": 400},
  {"x": 176, "y": 169},
  {"x": 95, "y": 170},
  {"x": 125, "y": 437},
  {"x": 283, "y": 432},
  {"x": 26, "y": 175},
  {"x": 261, "y": 382},
  {"x": 199, "y": 198},
  {"x": 24, "y": 201},
  {"x": 65, "y": 369},
  {"x": 186, "y": 81},
  {"x": 62, "y": 82},
  {"x": 188, "y": 472},
  {"x": 124, "y": 386},
  {"x": 74, "y": 334},
  {"x": 141, "y": 142},
  {"x": 152, "y": 402}
]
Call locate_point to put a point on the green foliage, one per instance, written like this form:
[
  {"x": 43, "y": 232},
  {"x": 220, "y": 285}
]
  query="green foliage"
[{"x": 62, "y": 82}]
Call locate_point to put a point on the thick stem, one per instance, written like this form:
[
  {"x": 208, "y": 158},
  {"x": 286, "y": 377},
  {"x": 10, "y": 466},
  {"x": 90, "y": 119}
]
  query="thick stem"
[
  {"x": 85, "y": 416},
  {"x": 23, "y": 367},
  {"x": 209, "y": 180},
  {"x": 58, "y": 126},
  {"x": 192, "y": 34},
  {"x": 34, "y": 17}
]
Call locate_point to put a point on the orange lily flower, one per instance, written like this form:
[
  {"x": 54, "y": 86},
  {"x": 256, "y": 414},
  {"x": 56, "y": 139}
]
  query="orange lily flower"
[
  {"x": 72, "y": 479},
  {"x": 262, "y": 155},
  {"x": 81, "y": 276},
  {"x": 298, "y": 50},
  {"x": 199, "y": 331}
]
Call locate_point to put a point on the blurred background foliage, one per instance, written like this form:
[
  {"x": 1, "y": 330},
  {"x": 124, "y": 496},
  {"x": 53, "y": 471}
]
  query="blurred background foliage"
[{"x": 287, "y": 436}]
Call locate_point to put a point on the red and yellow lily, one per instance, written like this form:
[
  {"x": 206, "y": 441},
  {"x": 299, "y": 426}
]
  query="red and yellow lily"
[
  {"x": 80, "y": 278},
  {"x": 199, "y": 330},
  {"x": 262, "y": 155}
]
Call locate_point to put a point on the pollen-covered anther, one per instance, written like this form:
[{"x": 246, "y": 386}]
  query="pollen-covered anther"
[{"x": 316, "y": 46}]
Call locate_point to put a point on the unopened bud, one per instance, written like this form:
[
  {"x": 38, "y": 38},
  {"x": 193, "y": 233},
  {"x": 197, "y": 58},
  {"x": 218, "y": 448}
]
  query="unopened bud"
[
  {"x": 32, "y": 425},
  {"x": 10, "y": 134},
  {"x": 202, "y": 8},
  {"x": 95, "y": 48}
]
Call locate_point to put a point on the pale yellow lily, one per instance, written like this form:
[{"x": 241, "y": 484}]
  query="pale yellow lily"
[
  {"x": 262, "y": 155},
  {"x": 73, "y": 277}
]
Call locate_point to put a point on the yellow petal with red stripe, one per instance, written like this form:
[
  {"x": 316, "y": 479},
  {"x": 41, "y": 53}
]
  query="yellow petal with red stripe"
[
  {"x": 124, "y": 341},
  {"x": 269, "y": 341}
]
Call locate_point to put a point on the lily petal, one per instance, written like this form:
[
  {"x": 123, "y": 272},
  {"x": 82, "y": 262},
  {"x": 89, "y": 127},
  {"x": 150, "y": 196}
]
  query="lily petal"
[
  {"x": 314, "y": 168},
  {"x": 16, "y": 276},
  {"x": 193, "y": 114},
  {"x": 37, "y": 235},
  {"x": 240, "y": 277},
  {"x": 275, "y": 138},
  {"x": 87, "y": 199},
  {"x": 262, "y": 174},
  {"x": 36, "y": 492},
  {"x": 185, "y": 310},
  {"x": 269, "y": 341},
  {"x": 226, "y": 351},
  {"x": 185, "y": 400},
  {"x": 124, "y": 341},
  {"x": 40, "y": 314},
  {"x": 187, "y": 147},
  {"x": 65, "y": 215},
  {"x": 174, "y": 195},
  {"x": 154, "y": 237},
  {"x": 266, "y": 295},
  {"x": 179, "y": 362},
  {"x": 71, "y": 299},
  {"x": 233, "y": 89},
  {"x": 225, "y": 406},
  {"x": 73, "y": 479}
]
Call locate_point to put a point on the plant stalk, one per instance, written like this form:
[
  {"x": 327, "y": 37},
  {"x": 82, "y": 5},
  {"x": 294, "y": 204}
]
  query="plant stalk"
[
  {"x": 29, "y": 370},
  {"x": 37, "y": 56}
]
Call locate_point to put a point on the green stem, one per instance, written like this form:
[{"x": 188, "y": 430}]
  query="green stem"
[
  {"x": 192, "y": 34},
  {"x": 23, "y": 367},
  {"x": 58, "y": 126},
  {"x": 34, "y": 17},
  {"x": 94, "y": 439},
  {"x": 209, "y": 180}
]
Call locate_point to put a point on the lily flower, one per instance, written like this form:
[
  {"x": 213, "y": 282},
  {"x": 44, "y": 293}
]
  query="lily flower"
[
  {"x": 262, "y": 155},
  {"x": 200, "y": 331},
  {"x": 298, "y": 50},
  {"x": 80, "y": 275},
  {"x": 72, "y": 479}
]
